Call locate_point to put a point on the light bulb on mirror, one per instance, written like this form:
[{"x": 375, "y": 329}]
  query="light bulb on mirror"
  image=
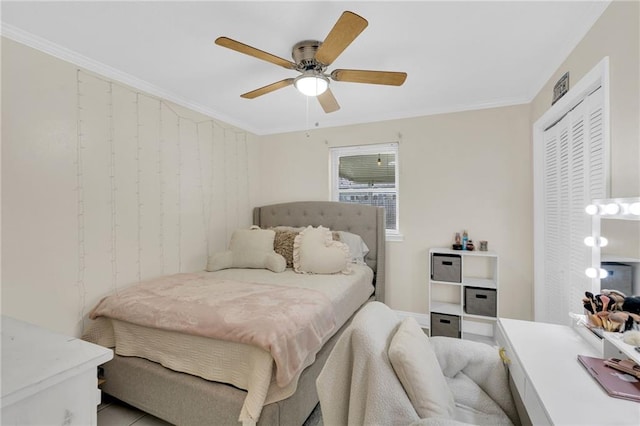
[
  {"x": 595, "y": 241},
  {"x": 591, "y": 209},
  {"x": 591, "y": 272},
  {"x": 612, "y": 208},
  {"x": 634, "y": 208}
]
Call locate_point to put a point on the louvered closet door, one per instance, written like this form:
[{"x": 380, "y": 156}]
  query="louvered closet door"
[{"x": 574, "y": 174}]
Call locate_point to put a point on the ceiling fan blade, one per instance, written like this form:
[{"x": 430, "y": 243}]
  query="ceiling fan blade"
[
  {"x": 346, "y": 29},
  {"x": 389, "y": 78},
  {"x": 268, "y": 88},
  {"x": 328, "y": 101},
  {"x": 252, "y": 51}
]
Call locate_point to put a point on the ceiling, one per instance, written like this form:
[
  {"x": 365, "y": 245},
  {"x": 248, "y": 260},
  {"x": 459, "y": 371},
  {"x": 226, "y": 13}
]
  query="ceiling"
[{"x": 458, "y": 55}]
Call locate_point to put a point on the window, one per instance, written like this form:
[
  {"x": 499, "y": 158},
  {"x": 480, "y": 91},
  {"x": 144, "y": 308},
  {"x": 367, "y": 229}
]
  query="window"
[{"x": 367, "y": 174}]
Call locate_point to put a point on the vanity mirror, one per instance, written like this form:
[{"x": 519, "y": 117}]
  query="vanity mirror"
[{"x": 615, "y": 242}]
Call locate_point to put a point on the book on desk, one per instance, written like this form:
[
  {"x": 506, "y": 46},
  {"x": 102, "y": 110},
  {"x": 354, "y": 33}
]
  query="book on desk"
[{"x": 616, "y": 383}]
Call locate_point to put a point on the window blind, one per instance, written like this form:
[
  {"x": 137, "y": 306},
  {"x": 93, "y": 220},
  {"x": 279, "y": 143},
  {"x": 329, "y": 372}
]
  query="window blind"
[{"x": 367, "y": 174}]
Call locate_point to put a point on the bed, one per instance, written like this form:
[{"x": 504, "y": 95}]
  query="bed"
[{"x": 182, "y": 398}]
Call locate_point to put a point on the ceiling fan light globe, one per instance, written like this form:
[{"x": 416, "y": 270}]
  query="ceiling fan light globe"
[{"x": 311, "y": 85}]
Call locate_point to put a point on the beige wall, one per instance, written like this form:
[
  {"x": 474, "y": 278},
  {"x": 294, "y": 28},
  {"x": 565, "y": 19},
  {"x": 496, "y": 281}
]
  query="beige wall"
[
  {"x": 154, "y": 198},
  {"x": 616, "y": 35},
  {"x": 469, "y": 170},
  {"x": 473, "y": 170}
]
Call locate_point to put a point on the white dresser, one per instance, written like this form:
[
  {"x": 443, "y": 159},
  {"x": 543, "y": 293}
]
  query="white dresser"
[
  {"x": 48, "y": 378},
  {"x": 553, "y": 386}
]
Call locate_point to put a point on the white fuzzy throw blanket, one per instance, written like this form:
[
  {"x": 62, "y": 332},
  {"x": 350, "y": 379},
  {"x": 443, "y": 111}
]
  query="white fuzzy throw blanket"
[{"x": 358, "y": 385}]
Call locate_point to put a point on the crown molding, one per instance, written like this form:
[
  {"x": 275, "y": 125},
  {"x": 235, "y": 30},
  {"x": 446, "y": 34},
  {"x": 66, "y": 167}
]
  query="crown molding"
[
  {"x": 405, "y": 115},
  {"x": 28, "y": 39},
  {"x": 65, "y": 54}
]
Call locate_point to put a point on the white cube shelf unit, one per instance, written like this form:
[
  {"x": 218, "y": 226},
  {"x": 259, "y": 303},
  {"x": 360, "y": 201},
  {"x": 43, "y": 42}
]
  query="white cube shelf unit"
[{"x": 477, "y": 279}]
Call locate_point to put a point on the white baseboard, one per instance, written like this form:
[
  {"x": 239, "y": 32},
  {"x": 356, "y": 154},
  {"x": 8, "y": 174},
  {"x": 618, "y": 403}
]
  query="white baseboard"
[
  {"x": 422, "y": 319},
  {"x": 479, "y": 328}
]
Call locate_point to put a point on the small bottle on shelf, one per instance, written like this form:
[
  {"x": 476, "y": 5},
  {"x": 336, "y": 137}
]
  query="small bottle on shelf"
[
  {"x": 465, "y": 239},
  {"x": 470, "y": 245},
  {"x": 457, "y": 245}
]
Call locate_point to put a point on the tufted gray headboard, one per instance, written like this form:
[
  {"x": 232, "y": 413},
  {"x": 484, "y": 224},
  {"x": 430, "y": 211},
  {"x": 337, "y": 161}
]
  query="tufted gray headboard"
[{"x": 366, "y": 221}]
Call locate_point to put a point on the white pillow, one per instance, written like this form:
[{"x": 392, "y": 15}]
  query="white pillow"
[
  {"x": 288, "y": 228},
  {"x": 315, "y": 252},
  {"x": 249, "y": 248},
  {"x": 357, "y": 247},
  {"x": 416, "y": 365}
]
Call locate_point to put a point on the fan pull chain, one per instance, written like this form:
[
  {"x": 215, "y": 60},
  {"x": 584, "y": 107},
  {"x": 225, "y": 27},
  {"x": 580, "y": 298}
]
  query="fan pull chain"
[{"x": 307, "y": 116}]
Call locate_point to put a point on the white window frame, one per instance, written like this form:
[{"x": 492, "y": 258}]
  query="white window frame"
[{"x": 372, "y": 149}]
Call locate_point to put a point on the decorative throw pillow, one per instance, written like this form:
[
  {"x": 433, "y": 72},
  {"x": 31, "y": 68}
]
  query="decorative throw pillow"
[
  {"x": 285, "y": 237},
  {"x": 283, "y": 245},
  {"x": 296, "y": 229},
  {"x": 315, "y": 252},
  {"x": 249, "y": 248},
  {"x": 357, "y": 247},
  {"x": 416, "y": 365}
]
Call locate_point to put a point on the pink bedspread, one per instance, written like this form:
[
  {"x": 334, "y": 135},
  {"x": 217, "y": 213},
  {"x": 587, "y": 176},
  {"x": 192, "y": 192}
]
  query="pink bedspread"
[{"x": 290, "y": 323}]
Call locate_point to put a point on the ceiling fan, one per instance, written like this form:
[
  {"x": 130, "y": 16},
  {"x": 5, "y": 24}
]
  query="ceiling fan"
[{"x": 312, "y": 58}]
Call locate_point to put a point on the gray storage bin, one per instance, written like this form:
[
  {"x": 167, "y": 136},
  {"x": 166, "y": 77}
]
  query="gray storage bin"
[
  {"x": 480, "y": 301},
  {"x": 445, "y": 325},
  {"x": 446, "y": 267},
  {"x": 619, "y": 277}
]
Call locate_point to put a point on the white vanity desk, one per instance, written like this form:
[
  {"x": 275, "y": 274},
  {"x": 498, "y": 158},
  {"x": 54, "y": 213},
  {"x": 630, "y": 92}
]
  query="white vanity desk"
[{"x": 553, "y": 386}]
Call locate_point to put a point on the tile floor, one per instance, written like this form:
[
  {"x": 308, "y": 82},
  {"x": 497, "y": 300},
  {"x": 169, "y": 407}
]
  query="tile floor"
[{"x": 113, "y": 412}]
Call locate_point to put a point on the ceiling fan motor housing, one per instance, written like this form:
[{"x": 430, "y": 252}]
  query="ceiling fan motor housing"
[{"x": 304, "y": 55}]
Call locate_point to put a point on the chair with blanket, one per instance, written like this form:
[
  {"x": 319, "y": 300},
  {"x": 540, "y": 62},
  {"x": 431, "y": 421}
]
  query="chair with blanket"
[{"x": 385, "y": 371}]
